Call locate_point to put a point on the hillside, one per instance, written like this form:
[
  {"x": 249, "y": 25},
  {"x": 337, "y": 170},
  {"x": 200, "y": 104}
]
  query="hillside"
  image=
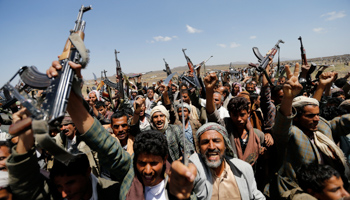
[{"x": 338, "y": 61}]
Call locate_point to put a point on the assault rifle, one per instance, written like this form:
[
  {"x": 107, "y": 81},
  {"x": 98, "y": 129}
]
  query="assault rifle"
[
  {"x": 167, "y": 68},
  {"x": 303, "y": 53},
  {"x": 264, "y": 61},
  {"x": 190, "y": 66},
  {"x": 120, "y": 80},
  {"x": 58, "y": 91},
  {"x": 109, "y": 92}
]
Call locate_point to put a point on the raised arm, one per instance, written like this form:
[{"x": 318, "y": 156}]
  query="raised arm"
[
  {"x": 111, "y": 154},
  {"x": 210, "y": 80},
  {"x": 326, "y": 79},
  {"x": 290, "y": 90}
]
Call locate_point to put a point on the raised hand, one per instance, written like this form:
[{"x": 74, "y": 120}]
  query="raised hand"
[
  {"x": 292, "y": 87},
  {"x": 327, "y": 78},
  {"x": 210, "y": 81},
  {"x": 138, "y": 105},
  {"x": 181, "y": 179},
  {"x": 55, "y": 66}
]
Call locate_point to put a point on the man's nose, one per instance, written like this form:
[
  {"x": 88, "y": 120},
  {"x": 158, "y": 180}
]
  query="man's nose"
[
  {"x": 211, "y": 145},
  {"x": 148, "y": 169}
]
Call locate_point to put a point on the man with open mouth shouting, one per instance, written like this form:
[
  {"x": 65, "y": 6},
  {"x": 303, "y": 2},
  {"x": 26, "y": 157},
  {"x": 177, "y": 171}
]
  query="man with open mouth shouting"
[{"x": 159, "y": 120}]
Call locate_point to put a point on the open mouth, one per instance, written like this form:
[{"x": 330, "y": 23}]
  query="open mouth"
[
  {"x": 159, "y": 125},
  {"x": 121, "y": 135},
  {"x": 65, "y": 131},
  {"x": 213, "y": 155},
  {"x": 148, "y": 179}
]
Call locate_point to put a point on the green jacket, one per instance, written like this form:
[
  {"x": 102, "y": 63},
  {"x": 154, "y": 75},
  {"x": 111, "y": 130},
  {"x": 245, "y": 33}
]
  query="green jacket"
[{"x": 27, "y": 182}]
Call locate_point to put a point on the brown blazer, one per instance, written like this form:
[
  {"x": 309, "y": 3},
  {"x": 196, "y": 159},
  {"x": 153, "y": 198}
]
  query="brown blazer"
[{"x": 195, "y": 124}]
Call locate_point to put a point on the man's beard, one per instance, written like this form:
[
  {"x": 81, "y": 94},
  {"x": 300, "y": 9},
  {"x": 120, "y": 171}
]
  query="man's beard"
[{"x": 213, "y": 164}]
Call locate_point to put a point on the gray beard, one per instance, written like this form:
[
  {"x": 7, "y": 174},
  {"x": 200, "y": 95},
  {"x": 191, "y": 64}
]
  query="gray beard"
[{"x": 215, "y": 164}]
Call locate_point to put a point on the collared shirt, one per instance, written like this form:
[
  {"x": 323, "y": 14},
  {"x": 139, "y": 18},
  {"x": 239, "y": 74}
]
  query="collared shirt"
[
  {"x": 71, "y": 143},
  {"x": 94, "y": 187},
  {"x": 144, "y": 124},
  {"x": 188, "y": 133},
  {"x": 225, "y": 186},
  {"x": 155, "y": 192}
]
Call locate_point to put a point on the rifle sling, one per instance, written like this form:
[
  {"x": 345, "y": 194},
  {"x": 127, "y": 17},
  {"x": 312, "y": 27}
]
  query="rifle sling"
[{"x": 79, "y": 44}]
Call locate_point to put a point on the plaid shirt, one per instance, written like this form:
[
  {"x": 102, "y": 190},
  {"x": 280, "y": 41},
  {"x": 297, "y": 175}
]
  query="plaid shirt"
[
  {"x": 110, "y": 153},
  {"x": 295, "y": 148}
]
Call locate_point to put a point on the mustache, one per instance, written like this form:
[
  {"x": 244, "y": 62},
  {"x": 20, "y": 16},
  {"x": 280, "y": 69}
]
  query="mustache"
[
  {"x": 65, "y": 130},
  {"x": 212, "y": 151}
]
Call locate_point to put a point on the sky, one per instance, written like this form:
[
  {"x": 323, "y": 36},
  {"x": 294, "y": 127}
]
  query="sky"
[{"x": 33, "y": 33}]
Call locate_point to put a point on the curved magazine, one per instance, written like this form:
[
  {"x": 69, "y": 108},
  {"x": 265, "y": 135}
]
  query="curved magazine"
[{"x": 35, "y": 79}]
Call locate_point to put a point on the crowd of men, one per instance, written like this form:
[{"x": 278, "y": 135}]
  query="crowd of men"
[{"x": 231, "y": 137}]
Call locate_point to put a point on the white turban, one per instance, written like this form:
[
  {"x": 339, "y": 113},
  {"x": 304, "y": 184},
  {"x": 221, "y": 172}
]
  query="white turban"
[
  {"x": 163, "y": 110},
  {"x": 301, "y": 101}
]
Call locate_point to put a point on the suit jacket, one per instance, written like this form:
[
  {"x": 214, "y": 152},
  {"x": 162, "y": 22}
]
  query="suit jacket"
[
  {"x": 195, "y": 124},
  {"x": 295, "y": 148},
  {"x": 174, "y": 136},
  {"x": 243, "y": 172}
]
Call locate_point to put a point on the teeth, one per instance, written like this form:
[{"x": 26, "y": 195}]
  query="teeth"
[{"x": 148, "y": 177}]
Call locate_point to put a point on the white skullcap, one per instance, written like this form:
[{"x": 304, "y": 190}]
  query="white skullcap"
[{"x": 301, "y": 101}]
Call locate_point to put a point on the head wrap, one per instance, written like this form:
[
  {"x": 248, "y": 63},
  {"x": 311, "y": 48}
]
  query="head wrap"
[
  {"x": 239, "y": 85},
  {"x": 163, "y": 110},
  {"x": 244, "y": 94},
  {"x": 67, "y": 120},
  {"x": 186, "y": 105},
  {"x": 345, "y": 105},
  {"x": 301, "y": 101},
  {"x": 220, "y": 129},
  {"x": 97, "y": 93}
]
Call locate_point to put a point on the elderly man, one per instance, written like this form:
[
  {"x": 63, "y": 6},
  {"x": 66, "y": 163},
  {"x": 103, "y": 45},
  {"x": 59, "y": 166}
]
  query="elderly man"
[
  {"x": 219, "y": 174},
  {"x": 304, "y": 137},
  {"x": 224, "y": 90},
  {"x": 218, "y": 102}
]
